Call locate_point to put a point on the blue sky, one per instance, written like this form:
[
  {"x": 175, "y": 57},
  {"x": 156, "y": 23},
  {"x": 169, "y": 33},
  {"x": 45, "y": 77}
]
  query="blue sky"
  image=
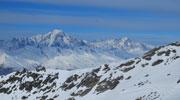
[{"x": 151, "y": 21}]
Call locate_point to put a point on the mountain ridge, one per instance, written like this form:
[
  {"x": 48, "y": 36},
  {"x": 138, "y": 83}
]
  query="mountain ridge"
[
  {"x": 154, "y": 76},
  {"x": 59, "y": 50}
]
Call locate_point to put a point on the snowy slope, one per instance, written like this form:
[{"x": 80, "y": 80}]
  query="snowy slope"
[
  {"x": 57, "y": 50},
  {"x": 154, "y": 76},
  {"x": 124, "y": 43}
]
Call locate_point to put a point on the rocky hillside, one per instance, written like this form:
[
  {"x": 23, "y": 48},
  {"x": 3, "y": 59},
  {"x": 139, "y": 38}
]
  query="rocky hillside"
[{"x": 154, "y": 76}]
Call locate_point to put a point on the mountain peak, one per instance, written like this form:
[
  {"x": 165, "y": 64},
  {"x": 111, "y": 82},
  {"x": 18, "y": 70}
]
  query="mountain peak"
[
  {"x": 52, "y": 34},
  {"x": 125, "y": 39},
  {"x": 55, "y": 36},
  {"x": 56, "y": 32}
]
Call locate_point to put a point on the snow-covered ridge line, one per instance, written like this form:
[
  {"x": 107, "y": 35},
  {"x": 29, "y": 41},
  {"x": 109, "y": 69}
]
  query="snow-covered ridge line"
[
  {"x": 154, "y": 76},
  {"x": 59, "y": 38},
  {"x": 58, "y": 50}
]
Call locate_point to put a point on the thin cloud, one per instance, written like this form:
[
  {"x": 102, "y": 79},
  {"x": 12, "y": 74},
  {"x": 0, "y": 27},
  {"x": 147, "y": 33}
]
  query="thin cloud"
[
  {"x": 130, "y": 25},
  {"x": 149, "y": 5}
]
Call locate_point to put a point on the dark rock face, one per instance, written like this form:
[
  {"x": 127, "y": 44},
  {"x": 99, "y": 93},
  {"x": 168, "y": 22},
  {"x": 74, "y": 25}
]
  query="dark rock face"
[
  {"x": 34, "y": 82},
  {"x": 151, "y": 96},
  {"x": 148, "y": 55},
  {"x": 175, "y": 44},
  {"x": 84, "y": 83},
  {"x": 176, "y": 57},
  {"x": 129, "y": 77},
  {"x": 152, "y": 52},
  {"x": 29, "y": 85},
  {"x": 157, "y": 62},
  {"x": 69, "y": 83},
  {"x": 144, "y": 65},
  {"x": 167, "y": 53},
  {"x": 96, "y": 70},
  {"x": 42, "y": 97},
  {"x": 51, "y": 78},
  {"x": 106, "y": 68},
  {"x": 108, "y": 84},
  {"x": 127, "y": 63},
  {"x": 89, "y": 80},
  {"x": 24, "y": 97},
  {"x": 5, "y": 90},
  {"x": 139, "y": 60},
  {"x": 40, "y": 68},
  {"x": 72, "y": 98},
  {"x": 126, "y": 69},
  {"x": 142, "y": 83},
  {"x": 178, "y": 81}
]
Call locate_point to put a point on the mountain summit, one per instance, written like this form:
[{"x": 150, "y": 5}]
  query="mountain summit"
[
  {"x": 50, "y": 37},
  {"x": 56, "y": 38}
]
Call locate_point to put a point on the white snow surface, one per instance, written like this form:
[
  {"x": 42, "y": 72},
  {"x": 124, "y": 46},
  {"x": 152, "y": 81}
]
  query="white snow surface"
[{"x": 157, "y": 78}]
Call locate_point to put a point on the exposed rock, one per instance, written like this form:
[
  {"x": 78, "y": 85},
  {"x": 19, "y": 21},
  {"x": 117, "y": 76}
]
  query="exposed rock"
[
  {"x": 81, "y": 92},
  {"x": 139, "y": 60},
  {"x": 129, "y": 77},
  {"x": 106, "y": 68},
  {"x": 144, "y": 65},
  {"x": 175, "y": 44},
  {"x": 126, "y": 69},
  {"x": 151, "y": 53},
  {"x": 167, "y": 53},
  {"x": 150, "y": 96},
  {"x": 72, "y": 98},
  {"x": 178, "y": 81},
  {"x": 69, "y": 83},
  {"x": 40, "y": 68},
  {"x": 127, "y": 63},
  {"x": 146, "y": 75},
  {"x": 108, "y": 84},
  {"x": 157, "y": 62},
  {"x": 24, "y": 97}
]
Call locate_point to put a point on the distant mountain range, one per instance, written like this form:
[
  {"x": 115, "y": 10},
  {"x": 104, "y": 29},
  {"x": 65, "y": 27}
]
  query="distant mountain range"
[{"x": 58, "y": 50}]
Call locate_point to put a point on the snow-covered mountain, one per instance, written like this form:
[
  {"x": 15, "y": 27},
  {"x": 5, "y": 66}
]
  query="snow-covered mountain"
[
  {"x": 154, "y": 76},
  {"x": 60, "y": 51},
  {"x": 56, "y": 38},
  {"x": 124, "y": 43}
]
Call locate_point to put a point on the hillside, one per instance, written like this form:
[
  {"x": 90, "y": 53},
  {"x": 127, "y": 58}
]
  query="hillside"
[{"x": 154, "y": 76}]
